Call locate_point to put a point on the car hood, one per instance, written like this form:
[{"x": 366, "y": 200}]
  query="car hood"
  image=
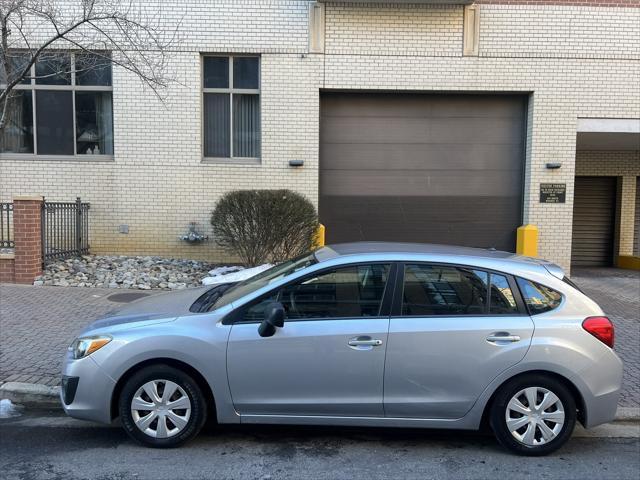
[{"x": 163, "y": 307}]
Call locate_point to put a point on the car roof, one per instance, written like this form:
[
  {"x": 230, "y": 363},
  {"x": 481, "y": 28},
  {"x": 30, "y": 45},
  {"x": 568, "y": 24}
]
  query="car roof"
[{"x": 436, "y": 252}]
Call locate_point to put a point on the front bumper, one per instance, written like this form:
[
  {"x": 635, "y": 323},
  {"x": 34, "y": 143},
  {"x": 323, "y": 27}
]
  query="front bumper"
[
  {"x": 68, "y": 389},
  {"x": 93, "y": 390}
]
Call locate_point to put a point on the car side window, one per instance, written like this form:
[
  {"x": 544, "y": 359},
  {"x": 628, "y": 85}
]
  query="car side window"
[
  {"x": 538, "y": 298},
  {"x": 502, "y": 301},
  {"x": 346, "y": 292},
  {"x": 443, "y": 290}
]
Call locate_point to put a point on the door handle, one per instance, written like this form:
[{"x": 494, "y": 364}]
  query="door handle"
[
  {"x": 497, "y": 337},
  {"x": 364, "y": 342}
]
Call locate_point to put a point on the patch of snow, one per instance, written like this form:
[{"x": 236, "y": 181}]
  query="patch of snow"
[
  {"x": 232, "y": 274},
  {"x": 224, "y": 270},
  {"x": 8, "y": 409}
]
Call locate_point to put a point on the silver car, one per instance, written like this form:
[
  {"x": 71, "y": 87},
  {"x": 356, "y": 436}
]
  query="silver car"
[{"x": 361, "y": 334}]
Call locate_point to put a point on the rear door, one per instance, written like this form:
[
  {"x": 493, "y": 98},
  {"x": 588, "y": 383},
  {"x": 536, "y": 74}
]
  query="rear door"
[{"x": 453, "y": 329}]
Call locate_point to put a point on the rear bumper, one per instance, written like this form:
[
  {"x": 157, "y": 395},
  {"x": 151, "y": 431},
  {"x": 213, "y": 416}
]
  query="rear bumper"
[
  {"x": 601, "y": 409},
  {"x": 602, "y": 389},
  {"x": 86, "y": 390}
]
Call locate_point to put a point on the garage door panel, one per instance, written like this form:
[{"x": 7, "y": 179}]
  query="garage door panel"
[
  {"x": 419, "y": 219},
  {"x": 359, "y": 157},
  {"x": 483, "y": 183},
  {"x": 419, "y": 130},
  {"x": 421, "y": 106},
  {"x": 424, "y": 168}
]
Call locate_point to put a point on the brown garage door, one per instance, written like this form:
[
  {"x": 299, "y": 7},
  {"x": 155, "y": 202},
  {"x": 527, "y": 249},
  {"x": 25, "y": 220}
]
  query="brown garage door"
[
  {"x": 594, "y": 210},
  {"x": 636, "y": 227},
  {"x": 422, "y": 168}
]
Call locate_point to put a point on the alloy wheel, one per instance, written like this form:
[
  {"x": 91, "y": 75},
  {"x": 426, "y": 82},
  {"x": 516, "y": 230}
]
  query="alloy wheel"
[
  {"x": 161, "y": 408},
  {"x": 534, "y": 416}
]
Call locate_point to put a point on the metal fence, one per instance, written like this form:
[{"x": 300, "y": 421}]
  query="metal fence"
[
  {"x": 65, "y": 229},
  {"x": 6, "y": 225}
]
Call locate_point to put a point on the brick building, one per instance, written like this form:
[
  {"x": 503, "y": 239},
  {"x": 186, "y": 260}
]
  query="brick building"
[{"x": 447, "y": 121}]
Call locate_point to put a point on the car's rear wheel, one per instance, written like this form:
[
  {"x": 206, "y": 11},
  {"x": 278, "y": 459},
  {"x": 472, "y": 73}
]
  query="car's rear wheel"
[
  {"x": 161, "y": 406},
  {"x": 533, "y": 415}
]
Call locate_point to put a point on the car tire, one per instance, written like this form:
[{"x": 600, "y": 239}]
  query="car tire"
[
  {"x": 533, "y": 431},
  {"x": 177, "y": 408}
]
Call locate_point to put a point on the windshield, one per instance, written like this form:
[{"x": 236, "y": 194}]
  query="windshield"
[{"x": 265, "y": 278}]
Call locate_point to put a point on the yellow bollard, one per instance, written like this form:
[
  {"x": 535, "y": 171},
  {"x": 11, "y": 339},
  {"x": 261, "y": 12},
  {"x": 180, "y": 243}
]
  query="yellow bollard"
[
  {"x": 527, "y": 241},
  {"x": 320, "y": 236}
]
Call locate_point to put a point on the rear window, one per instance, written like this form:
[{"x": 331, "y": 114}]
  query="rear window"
[{"x": 538, "y": 298}]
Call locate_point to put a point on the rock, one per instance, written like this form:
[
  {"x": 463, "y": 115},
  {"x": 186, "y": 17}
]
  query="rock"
[
  {"x": 38, "y": 283},
  {"x": 112, "y": 271}
]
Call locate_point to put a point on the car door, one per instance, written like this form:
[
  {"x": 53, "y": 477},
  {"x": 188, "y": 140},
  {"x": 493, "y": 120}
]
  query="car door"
[
  {"x": 328, "y": 359},
  {"x": 453, "y": 329}
]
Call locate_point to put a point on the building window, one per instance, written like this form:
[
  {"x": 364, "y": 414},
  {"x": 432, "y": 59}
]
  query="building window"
[
  {"x": 231, "y": 105},
  {"x": 64, "y": 109}
]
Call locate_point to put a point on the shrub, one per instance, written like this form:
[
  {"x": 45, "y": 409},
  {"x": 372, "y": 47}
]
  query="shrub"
[{"x": 264, "y": 225}]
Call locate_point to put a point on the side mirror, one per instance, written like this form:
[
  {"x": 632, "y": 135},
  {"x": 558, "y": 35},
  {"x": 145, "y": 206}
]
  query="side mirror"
[{"x": 273, "y": 318}]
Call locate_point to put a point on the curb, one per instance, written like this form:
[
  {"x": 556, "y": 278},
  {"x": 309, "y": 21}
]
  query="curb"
[
  {"x": 31, "y": 394},
  {"x": 627, "y": 414},
  {"x": 37, "y": 395}
]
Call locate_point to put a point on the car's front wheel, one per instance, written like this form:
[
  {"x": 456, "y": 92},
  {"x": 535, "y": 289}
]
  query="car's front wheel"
[
  {"x": 161, "y": 406},
  {"x": 533, "y": 415}
]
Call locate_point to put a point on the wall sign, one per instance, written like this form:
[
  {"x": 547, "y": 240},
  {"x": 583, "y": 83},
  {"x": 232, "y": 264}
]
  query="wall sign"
[{"x": 553, "y": 192}]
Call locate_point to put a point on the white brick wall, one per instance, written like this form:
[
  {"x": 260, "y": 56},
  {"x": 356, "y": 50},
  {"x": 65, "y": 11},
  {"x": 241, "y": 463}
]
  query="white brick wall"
[
  {"x": 559, "y": 31},
  {"x": 394, "y": 30},
  {"x": 572, "y": 61}
]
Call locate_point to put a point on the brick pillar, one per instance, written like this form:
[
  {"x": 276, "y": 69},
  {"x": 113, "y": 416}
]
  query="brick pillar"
[
  {"x": 627, "y": 215},
  {"x": 27, "y": 237}
]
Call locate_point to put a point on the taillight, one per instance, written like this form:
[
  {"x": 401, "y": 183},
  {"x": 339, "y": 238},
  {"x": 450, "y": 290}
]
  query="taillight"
[{"x": 601, "y": 328}]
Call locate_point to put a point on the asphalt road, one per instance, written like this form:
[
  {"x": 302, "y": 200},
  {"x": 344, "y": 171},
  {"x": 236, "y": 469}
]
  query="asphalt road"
[{"x": 47, "y": 445}]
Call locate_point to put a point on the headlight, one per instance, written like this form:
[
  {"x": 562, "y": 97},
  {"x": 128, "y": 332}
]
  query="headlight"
[{"x": 84, "y": 346}]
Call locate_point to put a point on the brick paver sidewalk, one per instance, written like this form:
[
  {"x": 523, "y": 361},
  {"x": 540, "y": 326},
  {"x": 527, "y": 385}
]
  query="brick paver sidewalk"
[
  {"x": 37, "y": 324},
  {"x": 618, "y": 294}
]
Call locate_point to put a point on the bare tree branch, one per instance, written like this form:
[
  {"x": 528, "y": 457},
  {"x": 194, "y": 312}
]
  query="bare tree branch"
[{"x": 115, "y": 31}]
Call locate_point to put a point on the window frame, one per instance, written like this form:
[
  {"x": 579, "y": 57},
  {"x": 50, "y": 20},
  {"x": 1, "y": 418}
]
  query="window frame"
[
  {"x": 236, "y": 316},
  {"x": 231, "y": 91},
  {"x": 396, "y": 309},
  {"x": 33, "y": 87},
  {"x": 511, "y": 282}
]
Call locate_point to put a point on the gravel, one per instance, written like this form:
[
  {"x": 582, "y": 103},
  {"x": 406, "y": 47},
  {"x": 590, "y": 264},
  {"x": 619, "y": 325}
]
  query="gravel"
[{"x": 139, "y": 272}]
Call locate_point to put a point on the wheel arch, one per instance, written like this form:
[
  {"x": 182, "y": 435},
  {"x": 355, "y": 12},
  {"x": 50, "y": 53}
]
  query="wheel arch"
[
  {"x": 575, "y": 393},
  {"x": 172, "y": 362}
]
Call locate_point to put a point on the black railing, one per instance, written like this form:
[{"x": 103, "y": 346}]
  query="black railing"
[
  {"x": 65, "y": 229},
  {"x": 6, "y": 225}
]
